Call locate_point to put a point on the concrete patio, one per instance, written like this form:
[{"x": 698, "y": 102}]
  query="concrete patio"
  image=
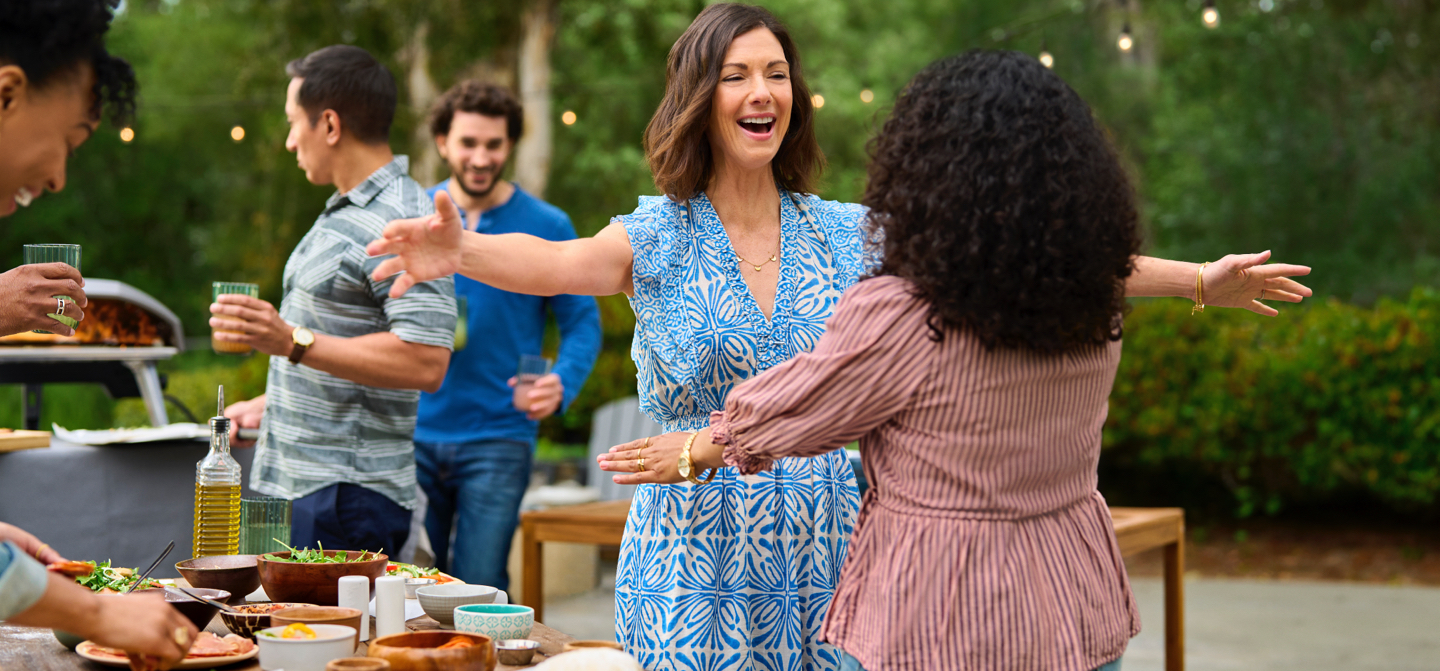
[{"x": 1231, "y": 624}]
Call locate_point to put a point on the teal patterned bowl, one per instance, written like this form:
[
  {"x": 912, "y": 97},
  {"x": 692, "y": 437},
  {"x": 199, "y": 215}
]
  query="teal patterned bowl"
[{"x": 498, "y": 621}]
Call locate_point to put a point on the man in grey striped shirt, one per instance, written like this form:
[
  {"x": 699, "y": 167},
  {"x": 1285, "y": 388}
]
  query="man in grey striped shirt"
[{"x": 347, "y": 362}]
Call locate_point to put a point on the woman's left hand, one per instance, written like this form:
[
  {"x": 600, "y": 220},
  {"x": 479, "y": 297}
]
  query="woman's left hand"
[
  {"x": 1240, "y": 281},
  {"x": 655, "y": 459}
]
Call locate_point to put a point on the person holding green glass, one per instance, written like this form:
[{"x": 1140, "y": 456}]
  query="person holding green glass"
[{"x": 55, "y": 78}]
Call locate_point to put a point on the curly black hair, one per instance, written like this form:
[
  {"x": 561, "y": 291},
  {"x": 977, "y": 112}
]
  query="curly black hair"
[
  {"x": 998, "y": 195},
  {"x": 50, "y": 39}
]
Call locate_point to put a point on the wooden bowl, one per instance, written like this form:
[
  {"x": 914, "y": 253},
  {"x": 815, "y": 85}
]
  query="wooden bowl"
[
  {"x": 418, "y": 651},
  {"x": 358, "y": 664},
  {"x": 582, "y": 645},
  {"x": 349, "y": 617},
  {"x": 237, "y": 574},
  {"x": 316, "y": 583}
]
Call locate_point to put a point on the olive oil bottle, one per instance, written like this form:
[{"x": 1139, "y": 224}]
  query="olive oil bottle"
[{"x": 217, "y": 492}]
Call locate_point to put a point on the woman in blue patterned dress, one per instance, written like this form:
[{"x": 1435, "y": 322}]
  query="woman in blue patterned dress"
[{"x": 735, "y": 271}]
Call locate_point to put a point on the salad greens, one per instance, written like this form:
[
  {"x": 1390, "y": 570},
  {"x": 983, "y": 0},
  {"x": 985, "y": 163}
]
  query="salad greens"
[
  {"x": 308, "y": 556},
  {"x": 106, "y": 577},
  {"x": 411, "y": 570}
]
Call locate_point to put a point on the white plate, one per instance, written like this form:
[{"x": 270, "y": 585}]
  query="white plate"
[{"x": 197, "y": 663}]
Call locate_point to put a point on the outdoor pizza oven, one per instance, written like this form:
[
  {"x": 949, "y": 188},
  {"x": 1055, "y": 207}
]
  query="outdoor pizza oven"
[{"x": 124, "y": 334}]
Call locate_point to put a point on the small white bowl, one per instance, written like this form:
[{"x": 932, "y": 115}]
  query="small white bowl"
[
  {"x": 499, "y": 622},
  {"x": 440, "y": 601},
  {"x": 412, "y": 584},
  {"x": 332, "y": 641}
]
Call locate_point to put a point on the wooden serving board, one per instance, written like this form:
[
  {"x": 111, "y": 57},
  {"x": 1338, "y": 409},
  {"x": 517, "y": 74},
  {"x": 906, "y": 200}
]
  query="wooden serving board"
[{"x": 23, "y": 440}]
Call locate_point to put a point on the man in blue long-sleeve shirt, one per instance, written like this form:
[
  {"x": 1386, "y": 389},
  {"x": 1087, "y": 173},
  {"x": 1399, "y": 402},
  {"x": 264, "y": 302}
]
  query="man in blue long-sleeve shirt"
[{"x": 473, "y": 446}]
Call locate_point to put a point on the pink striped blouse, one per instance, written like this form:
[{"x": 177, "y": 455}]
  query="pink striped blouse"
[{"x": 982, "y": 542}]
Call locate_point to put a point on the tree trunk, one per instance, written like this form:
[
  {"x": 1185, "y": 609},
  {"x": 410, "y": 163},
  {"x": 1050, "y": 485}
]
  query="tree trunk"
[
  {"x": 532, "y": 157},
  {"x": 425, "y": 159}
]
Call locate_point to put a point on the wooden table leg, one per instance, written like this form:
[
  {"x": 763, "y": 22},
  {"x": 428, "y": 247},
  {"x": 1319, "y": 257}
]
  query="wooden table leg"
[
  {"x": 1175, "y": 604},
  {"x": 533, "y": 580}
]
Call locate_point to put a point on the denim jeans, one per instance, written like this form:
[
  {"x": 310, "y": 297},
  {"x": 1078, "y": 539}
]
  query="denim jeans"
[
  {"x": 849, "y": 663},
  {"x": 474, "y": 488},
  {"x": 346, "y": 516}
]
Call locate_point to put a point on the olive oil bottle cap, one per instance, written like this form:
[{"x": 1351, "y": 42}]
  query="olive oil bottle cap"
[{"x": 220, "y": 423}]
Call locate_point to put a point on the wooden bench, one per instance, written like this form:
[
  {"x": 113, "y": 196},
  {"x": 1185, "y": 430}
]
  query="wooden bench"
[{"x": 1138, "y": 530}]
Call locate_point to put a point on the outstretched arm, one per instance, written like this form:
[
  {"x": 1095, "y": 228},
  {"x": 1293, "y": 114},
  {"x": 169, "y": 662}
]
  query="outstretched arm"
[
  {"x": 1235, "y": 281},
  {"x": 436, "y": 246}
]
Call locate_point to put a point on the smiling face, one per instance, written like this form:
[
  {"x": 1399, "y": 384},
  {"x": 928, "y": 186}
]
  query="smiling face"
[
  {"x": 750, "y": 112},
  {"x": 476, "y": 151},
  {"x": 313, "y": 144},
  {"x": 39, "y": 130}
]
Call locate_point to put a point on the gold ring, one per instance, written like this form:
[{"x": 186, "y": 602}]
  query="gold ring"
[
  {"x": 641, "y": 462},
  {"x": 182, "y": 637},
  {"x": 41, "y": 549},
  {"x": 60, "y": 309}
]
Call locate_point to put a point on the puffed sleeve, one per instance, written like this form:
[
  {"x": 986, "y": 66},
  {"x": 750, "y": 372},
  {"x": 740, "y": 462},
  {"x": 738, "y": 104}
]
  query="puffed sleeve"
[{"x": 875, "y": 353}]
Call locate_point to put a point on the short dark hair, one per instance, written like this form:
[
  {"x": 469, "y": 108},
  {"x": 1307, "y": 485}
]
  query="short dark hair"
[
  {"x": 477, "y": 97},
  {"x": 1003, "y": 201},
  {"x": 50, "y": 39},
  {"x": 351, "y": 82},
  {"x": 675, "y": 143}
]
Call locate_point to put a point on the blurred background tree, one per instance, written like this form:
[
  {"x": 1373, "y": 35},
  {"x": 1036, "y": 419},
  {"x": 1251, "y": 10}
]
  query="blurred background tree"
[{"x": 1303, "y": 126}]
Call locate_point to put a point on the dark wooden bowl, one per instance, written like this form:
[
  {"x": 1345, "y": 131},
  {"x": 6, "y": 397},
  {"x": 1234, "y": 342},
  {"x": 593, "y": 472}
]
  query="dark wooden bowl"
[
  {"x": 198, "y": 612},
  {"x": 316, "y": 583},
  {"x": 252, "y": 618},
  {"x": 417, "y": 651},
  {"x": 237, "y": 574}
]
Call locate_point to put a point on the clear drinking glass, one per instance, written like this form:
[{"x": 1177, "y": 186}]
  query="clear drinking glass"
[
  {"x": 264, "y": 525},
  {"x": 219, "y": 289},
  {"x": 50, "y": 254},
  {"x": 531, "y": 369}
]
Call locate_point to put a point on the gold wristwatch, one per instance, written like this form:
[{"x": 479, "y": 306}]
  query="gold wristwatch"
[
  {"x": 687, "y": 467},
  {"x": 303, "y": 339}
]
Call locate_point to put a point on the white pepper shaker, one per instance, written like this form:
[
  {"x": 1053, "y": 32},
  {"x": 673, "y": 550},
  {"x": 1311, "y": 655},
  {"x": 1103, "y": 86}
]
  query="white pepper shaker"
[
  {"x": 355, "y": 593},
  {"x": 389, "y": 605}
]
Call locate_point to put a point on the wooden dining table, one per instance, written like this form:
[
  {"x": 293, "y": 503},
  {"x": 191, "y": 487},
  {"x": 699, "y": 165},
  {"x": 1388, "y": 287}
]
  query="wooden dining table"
[
  {"x": 31, "y": 649},
  {"x": 1137, "y": 529}
]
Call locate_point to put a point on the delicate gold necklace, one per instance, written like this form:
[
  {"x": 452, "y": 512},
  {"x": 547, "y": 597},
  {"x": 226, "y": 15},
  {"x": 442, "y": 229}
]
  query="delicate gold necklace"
[{"x": 752, "y": 264}]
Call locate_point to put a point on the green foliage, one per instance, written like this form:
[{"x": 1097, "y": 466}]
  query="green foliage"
[{"x": 1326, "y": 400}]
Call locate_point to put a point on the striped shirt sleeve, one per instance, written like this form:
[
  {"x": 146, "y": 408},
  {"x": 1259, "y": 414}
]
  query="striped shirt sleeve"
[
  {"x": 425, "y": 315},
  {"x": 863, "y": 371}
]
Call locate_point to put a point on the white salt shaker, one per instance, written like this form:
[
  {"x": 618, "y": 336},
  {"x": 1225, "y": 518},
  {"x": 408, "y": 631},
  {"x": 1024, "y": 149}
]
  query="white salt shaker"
[
  {"x": 355, "y": 593},
  {"x": 389, "y": 605}
]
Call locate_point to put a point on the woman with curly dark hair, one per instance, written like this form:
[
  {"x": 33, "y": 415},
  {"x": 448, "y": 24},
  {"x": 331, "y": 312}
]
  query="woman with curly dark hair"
[{"x": 974, "y": 369}]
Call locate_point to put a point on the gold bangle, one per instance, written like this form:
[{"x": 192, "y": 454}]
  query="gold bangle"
[{"x": 1199, "y": 289}]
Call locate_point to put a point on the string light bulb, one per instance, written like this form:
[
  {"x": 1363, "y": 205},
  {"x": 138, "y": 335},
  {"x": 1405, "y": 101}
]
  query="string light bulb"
[
  {"x": 867, "y": 96},
  {"x": 817, "y": 100},
  {"x": 237, "y": 133},
  {"x": 1045, "y": 58},
  {"x": 568, "y": 118},
  {"x": 127, "y": 134},
  {"x": 1210, "y": 15},
  {"x": 1125, "y": 42}
]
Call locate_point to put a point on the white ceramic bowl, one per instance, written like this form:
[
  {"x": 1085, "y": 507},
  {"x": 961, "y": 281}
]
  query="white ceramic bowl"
[
  {"x": 332, "y": 641},
  {"x": 440, "y": 601},
  {"x": 497, "y": 621}
]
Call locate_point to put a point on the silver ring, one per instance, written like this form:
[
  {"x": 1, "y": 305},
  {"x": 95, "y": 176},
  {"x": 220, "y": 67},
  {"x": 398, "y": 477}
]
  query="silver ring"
[
  {"x": 60, "y": 310},
  {"x": 1262, "y": 295}
]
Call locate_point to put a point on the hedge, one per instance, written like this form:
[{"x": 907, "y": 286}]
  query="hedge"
[{"x": 1324, "y": 401}]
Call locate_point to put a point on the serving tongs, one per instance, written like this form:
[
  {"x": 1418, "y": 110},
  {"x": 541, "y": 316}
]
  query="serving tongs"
[
  {"x": 147, "y": 572},
  {"x": 203, "y": 599}
]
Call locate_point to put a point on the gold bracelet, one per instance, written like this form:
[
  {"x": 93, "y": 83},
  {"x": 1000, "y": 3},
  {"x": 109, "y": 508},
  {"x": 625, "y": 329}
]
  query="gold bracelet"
[
  {"x": 687, "y": 467},
  {"x": 1199, "y": 289}
]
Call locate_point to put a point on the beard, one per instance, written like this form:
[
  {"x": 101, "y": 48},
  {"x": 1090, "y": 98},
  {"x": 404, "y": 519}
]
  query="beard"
[{"x": 457, "y": 173}]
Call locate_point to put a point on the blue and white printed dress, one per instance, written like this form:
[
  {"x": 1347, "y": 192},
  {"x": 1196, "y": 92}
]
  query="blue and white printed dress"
[{"x": 737, "y": 573}]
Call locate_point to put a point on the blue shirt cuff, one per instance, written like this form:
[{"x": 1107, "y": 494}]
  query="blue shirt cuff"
[{"x": 22, "y": 581}]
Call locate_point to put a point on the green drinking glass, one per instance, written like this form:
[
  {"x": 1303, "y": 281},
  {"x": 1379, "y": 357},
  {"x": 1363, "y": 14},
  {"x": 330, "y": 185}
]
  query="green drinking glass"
[
  {"x": 264, "y": 525},
  {"x": 221, "y": 288},
  {"x": 50, "y": 254}
]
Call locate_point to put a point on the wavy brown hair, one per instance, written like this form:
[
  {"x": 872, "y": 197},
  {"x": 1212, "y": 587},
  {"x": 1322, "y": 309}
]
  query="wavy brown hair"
[
  {"x": 675, "y": 140},
  {"x": 1002, "y": 200}
]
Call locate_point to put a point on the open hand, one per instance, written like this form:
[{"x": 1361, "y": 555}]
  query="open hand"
[
  {"x": 1240, "y": 281},
  {"x": 425, "y": 248},
  {"x": 27, "y": 297}
]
